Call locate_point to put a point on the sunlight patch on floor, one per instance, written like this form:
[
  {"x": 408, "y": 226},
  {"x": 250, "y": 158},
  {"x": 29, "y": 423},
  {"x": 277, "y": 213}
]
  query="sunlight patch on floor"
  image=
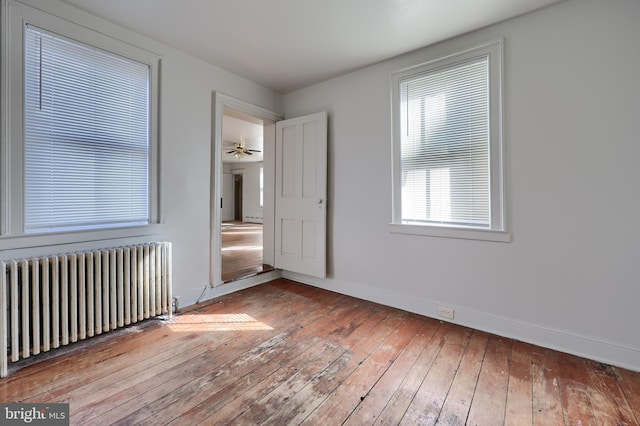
[{"x": 216, "y": 322}]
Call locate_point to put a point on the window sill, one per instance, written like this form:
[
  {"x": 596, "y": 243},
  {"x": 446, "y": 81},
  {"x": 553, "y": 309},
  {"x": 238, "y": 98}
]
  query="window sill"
[
  {"x": 451, "y": 232},
  {"x": 10, "y": 242}
]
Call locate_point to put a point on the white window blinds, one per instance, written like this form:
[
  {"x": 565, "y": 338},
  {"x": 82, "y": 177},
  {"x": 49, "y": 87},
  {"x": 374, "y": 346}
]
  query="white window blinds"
[
  {"x": 444, "y": 119},
  {"x": 86, "y": 141}
]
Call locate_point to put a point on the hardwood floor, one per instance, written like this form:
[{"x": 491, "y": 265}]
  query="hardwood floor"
[
  {"x": 286, "y": 353},
  {"x": 242, "y": 251}
]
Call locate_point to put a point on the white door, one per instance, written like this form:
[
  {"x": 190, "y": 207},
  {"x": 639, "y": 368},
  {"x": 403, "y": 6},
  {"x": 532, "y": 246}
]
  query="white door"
[{"x": 301, "y": 195}]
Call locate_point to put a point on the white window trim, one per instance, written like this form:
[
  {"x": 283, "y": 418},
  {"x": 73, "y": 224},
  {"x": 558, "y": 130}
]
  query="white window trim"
[
  {"x": 498, "y": 230},
  {"x": 12, "y": 234}
]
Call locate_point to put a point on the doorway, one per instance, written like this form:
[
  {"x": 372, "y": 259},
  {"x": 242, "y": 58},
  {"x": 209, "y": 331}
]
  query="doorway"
[
  {"x": 242, "y": 221},
  {"x": 222, "y": 176},
  {"x": 297, "y": 227}
]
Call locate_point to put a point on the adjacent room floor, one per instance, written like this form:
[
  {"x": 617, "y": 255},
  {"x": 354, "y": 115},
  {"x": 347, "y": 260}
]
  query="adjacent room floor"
[
  {"x": 286, "y": 353},
  {"x": 242, "y": 251}
]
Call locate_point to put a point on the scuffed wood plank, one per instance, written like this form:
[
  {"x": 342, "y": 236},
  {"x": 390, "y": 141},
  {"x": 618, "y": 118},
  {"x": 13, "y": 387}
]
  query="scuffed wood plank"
[
  {"x": 489, "y": 400},
  {"x": 519, "y": 394},
  {"x": 297, "y": 409},
  {"x": 131, "y": 395},
  {"x": 576, "y": 404},
  {"x": 402, "y": 397},
  {"x": 607, "y": 398},
  {"x": 456, "y": 406},
  {"x": 227, "y": 403},
  {"x": 630, "y": 384},
  {"x": 547, "y": 405},
  {"x": 341, "y": 403},
  {"x": 181, "y": 399},
  {"x": 429, "y": 399},
  {"x": 262, "y": 401},
  {"x": 191, "y": 390},
  {"x": 378, "y": 397}
]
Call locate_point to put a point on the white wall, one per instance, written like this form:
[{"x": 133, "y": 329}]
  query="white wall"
[
  {"x": 251, "y": 210},
  {"x": 187, "y": 86},
  {"x": 186, "y": 131},
  {"x": 570, "y": 279}
]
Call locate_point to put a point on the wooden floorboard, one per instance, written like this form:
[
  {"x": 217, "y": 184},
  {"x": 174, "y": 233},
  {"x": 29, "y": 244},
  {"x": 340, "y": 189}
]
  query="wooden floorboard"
[
  {"x": 458, "y": 402},
  {"x": 428, "y": 401},
  {"x": 368, "y": 411},
  {"x": 285, "y": 353},
  {"x": 630, "y": 385},
  {"x": 395, "y": 410},
  {"x": 574, "y": 392},
  {"x": 519, "y": 407},
  {"x": 545, "y": 388},
  {"x": 607, "y": 396},
  {"x": 489, "y": 400}
]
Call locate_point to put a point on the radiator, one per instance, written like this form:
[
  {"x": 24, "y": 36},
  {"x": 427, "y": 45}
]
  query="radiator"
[{"x": 52, "y": 301}]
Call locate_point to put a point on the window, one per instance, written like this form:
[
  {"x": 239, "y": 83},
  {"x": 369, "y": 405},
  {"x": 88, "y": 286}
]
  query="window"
[
  {"x": 448, "y": 148},
  {"x": 82, "y": 146},
  {"x": 86, "y": 143}
]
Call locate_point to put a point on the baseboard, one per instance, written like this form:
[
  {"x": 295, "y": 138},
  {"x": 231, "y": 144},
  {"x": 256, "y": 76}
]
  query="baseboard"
[
  {"x": 223, "y": 289},
  {"x": 560, "y": 340}
]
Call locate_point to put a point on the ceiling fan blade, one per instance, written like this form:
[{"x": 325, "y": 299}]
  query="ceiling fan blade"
[
  {"x": 248, "y": 153},
  {"x": 254, "y": 150},
  {"x": 231, "y": 152}
]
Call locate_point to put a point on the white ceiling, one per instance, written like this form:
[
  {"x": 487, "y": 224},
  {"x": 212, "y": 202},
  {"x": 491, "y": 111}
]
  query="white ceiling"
[
  {"x": 236, "y": 126},
  {"x": 289, "y": 44}
]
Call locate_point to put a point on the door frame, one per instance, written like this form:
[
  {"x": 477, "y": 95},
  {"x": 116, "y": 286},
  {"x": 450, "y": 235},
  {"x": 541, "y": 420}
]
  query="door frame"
[{"x": 221, "y": 101}]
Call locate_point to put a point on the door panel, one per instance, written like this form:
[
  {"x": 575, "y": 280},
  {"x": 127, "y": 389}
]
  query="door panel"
[
  {"x": 309, "y": 160},
  {"x": 309, "y": 238},
  {"x": 288, "y": 161},
  {"x": 301, "y": 194},
  {"x": 288, "y": 237}
]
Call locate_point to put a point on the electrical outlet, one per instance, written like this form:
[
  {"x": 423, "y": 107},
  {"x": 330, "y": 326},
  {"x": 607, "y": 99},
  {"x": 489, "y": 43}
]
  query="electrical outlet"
[{"x": 445, "y": 312}]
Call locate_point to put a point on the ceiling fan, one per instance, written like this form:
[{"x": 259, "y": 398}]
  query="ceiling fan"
[{"x": 240, "y": 150}]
